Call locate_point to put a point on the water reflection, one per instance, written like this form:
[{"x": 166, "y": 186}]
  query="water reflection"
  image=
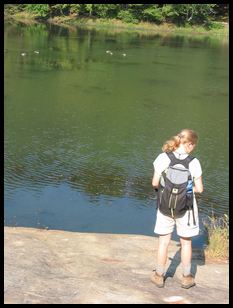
[
  {"x": 94, "y": 183},
  {"x": 61, "y": 55}
]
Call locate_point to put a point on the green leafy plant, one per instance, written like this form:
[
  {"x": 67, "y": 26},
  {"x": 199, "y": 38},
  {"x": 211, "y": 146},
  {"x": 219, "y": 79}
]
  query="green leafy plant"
[
  {"x": 40, "y": 10},
  {"x": 127, "y": 17}
]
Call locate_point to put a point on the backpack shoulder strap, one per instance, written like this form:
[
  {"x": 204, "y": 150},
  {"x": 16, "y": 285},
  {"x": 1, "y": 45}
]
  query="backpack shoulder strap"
[
  {"x": 171, "y": 157},
  {"x": 185, "y": 162},
  {"x": 188, "y": 160}
]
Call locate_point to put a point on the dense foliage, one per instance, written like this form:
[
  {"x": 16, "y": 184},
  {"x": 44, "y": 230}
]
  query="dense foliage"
[{"x": 180, "y": 14}]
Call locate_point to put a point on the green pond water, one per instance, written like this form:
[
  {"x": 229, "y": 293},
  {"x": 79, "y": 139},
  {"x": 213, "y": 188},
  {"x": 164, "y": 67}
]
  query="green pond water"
[{"x": 83, "y": 126}]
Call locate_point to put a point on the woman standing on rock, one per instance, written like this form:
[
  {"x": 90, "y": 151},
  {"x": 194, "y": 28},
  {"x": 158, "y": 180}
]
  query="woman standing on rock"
[{"x": 169, "y": 169}]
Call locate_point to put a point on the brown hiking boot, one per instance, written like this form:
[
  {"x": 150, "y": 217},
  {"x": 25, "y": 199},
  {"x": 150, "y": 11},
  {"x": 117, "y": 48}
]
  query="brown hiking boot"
[
  {"x": 158, "y": 280},
  {"x": 187, "y": 281}
]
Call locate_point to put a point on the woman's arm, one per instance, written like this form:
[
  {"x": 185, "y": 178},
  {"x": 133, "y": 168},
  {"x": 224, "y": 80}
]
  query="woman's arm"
[
  {"x": 155, "y": 180},
  {"x": 198, "y": 185}
]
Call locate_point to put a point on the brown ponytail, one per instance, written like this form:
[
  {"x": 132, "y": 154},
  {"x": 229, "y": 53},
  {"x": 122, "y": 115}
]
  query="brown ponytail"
[{"x": 186, "y": 135}]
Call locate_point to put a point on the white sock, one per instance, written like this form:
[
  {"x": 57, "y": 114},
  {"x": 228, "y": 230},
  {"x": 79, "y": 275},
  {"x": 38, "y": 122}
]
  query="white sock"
[
  {"x": 187, "y": 270},
  {"x": 160, "y": 270}
]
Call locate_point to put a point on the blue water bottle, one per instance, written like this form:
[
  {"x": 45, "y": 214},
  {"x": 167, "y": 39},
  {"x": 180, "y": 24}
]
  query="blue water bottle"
[
  {"x": 189, "y": 199},
  {"x": 189, "y": 194},
  {"x": 189, "y": 187}
]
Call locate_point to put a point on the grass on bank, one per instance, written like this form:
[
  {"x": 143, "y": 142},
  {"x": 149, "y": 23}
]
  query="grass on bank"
[
  {"x": 218, "y": 28},
  {"x": 218, "y": 238}
]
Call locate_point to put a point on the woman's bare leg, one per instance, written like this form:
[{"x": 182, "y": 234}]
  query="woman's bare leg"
[
  {"x": 186, "y": 254},
  {"x": 164, "y": 241}
]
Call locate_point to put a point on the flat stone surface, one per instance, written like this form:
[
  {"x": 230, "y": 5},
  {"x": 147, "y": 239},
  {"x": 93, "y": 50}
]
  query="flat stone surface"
[{"x": 59, "y": 267}]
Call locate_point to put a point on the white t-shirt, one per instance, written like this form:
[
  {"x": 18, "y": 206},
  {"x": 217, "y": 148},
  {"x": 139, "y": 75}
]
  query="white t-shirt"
[{"x": 162, "y": 162}]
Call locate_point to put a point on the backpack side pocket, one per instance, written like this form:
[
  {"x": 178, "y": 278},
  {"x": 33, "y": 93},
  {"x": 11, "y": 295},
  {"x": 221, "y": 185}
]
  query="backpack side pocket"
[{"x": 159, "y": 195}]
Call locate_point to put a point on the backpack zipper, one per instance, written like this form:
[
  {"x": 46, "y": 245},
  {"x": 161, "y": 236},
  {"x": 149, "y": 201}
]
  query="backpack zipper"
[
  {"x": 175, "y": 202},
  {"x": 174, "y": 207},
  {"x": 169, "y": 206}
]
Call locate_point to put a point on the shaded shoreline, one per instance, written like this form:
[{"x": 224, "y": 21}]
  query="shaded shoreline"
[{"x": 119, "y": 26}]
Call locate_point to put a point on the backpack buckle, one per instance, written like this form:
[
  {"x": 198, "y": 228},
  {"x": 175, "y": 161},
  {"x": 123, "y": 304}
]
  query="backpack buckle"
[{"x": 174, "y": 190}]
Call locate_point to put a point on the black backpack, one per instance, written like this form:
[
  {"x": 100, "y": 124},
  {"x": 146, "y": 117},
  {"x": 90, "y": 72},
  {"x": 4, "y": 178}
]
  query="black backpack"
[{"x": 173, "y": 198}]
